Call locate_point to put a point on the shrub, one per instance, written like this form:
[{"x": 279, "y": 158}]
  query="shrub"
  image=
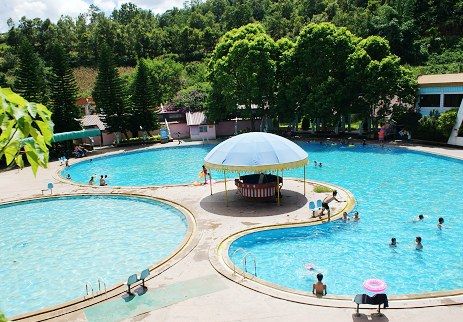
[
  {"x": 446, "y": 122},
  {"x": 140, "y": 140},
  {"x": 305, "y": 123},
  {"x": 320, "y": 189}
]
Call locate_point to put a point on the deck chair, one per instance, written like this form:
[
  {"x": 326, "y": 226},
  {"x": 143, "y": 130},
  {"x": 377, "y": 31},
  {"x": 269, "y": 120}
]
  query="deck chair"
[
  {"x": 376, "y": 299},
  {"x": 130, "y": 281},
  {"x": 144, "y": 275},
  {"x": 312, "y": 207},
  {"x": 49, "y": 187}
]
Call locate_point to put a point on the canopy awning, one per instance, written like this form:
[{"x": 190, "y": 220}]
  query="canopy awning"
[
  {"x": 256, "y": 151},
  {"x": 66, "y": 136}
]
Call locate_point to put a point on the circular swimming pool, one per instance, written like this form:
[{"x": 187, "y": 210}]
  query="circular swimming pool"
[
  {"x": 391, "y": 186},
  {"x": 52, "y": 247}
]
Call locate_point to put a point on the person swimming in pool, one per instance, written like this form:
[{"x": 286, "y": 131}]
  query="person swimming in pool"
[
  {"x": 356, "y": 216},
  {"x": 319, "y": 288},
  {"x": 440, "y": 223},
  {"x": 393, "y": 242},
  {"x": 419, "y": 245},
  {"x": 419, "y": 218},
  {"x": 345, "y": 217}
]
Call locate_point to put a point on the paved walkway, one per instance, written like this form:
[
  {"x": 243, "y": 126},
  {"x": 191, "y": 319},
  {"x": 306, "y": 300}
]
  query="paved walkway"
[{"x": 192, "y": 289}]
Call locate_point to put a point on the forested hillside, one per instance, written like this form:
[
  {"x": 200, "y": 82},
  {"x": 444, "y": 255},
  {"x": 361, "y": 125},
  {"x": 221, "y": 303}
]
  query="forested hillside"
[{"x": 427, "y": 33}]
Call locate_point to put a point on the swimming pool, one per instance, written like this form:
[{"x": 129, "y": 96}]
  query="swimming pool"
[
  {"x": 391, "y": 186},
  {"x": 161, "y": 166},
  {"x": 52, "y": 247}
]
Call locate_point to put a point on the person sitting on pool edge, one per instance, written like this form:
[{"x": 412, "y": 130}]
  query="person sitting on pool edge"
[
  {"x": 91, "y": 181},
  {"x": 440, "y": 223},
  {"x": 393, "y": 242},
  {"x": 325, "y": 204},
  {"x": 102, "y": 181},
  {"x": 319, "y": 288},
  {"x": 419, "y": 245}
]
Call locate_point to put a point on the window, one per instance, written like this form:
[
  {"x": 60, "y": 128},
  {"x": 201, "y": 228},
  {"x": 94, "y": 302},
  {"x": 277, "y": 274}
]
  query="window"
[
  {"x": 202, "y": 128},
  {"x": 452, "y": 100},
  {"x": 430, "y": 100}
]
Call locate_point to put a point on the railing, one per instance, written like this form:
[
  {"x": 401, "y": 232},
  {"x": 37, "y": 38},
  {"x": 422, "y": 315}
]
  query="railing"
[
  {"x": 254, "y": 260},
  {"x": 88, "y": 287},
  {"x": 245, "y": 261}
]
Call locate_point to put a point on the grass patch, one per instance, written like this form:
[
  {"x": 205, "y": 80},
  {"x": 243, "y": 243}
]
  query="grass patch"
[{"x": 320, "y": 189}]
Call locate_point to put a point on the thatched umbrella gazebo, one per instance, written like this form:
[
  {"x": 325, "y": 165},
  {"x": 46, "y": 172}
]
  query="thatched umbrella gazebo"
[{"x": 257, "y": 152}]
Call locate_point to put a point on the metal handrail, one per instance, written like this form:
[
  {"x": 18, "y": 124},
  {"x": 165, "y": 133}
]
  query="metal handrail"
[
  {"x": 245, "y": 263},
  {"x": 233, "y": 254},
  {"x": 101, "y": 281},
  {"x": 88, "y": 286}
]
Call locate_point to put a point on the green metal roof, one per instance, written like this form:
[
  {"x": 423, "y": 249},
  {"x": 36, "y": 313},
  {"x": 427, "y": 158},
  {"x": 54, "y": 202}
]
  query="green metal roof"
[{"x": 67, "y": 136}]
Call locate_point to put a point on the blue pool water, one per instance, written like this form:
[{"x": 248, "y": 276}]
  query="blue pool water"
[
  {"x": 144, "y": 168},
  {"x": 52, "y": 247},
  {"x": 391, "y": 186}
]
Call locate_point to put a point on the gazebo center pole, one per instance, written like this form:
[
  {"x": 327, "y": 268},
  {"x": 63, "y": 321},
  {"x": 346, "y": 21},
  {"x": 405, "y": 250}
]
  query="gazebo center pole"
[
  {"x": 226, "y": 193},
  {"x": 304, "y": 180},
  {"x": 278, "y": 189},
  {"x": 210, "y": 182}
]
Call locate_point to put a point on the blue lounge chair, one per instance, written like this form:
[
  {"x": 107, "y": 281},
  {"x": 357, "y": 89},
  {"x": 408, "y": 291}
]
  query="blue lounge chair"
[
  {"x": 130, "y": 281},
  {"x": 144, "y": 275},
  {"x": 312, "y": 207},
  {"x": 164, "y": 133},
  {"x": 319, "y": 204},
  {"x": 49, "y": 187}
]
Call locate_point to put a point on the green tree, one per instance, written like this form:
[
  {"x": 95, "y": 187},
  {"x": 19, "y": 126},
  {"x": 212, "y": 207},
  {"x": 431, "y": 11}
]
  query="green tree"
[
  {"x": 63, "y": 92},
  {"x": 30, "y": 74},
  {"x": 24, "y": 125},
  {"x": 242, "y": 69},
  {"x": 143, "y": 102},
  {"x": 446, "y": 122},
  {"x": 109, "y": 93}
]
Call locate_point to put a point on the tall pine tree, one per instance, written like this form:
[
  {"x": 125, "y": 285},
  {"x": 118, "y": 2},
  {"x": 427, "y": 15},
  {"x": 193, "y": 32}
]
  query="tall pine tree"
[
  {"x": 109, "y": 93},
  {"x": 30, "y": 75},
  {"x": 143, "y": 101},
  {"x": 63, "y": 92}
]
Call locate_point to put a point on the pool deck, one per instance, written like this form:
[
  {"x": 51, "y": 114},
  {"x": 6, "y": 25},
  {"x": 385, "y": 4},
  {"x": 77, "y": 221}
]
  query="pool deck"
[{"x": 198, "y": 285}]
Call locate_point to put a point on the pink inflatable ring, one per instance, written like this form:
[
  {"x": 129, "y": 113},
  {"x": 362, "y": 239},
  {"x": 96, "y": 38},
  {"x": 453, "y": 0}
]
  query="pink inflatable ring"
[{"x": 375, "y": 285}]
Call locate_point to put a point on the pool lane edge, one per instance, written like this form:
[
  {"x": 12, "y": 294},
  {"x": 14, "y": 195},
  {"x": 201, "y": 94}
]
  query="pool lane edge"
[
  {"x": 188, "y": 243},
  {"x": 220, "y": 260}
]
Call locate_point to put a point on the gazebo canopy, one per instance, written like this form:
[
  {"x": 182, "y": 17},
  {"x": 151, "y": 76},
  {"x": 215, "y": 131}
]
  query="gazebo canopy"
[{"x": 255, "y": 152}]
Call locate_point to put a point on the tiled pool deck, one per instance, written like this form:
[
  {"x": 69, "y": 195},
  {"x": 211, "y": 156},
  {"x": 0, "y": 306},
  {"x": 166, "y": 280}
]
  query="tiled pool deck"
[{"x": 198, "y": 286}]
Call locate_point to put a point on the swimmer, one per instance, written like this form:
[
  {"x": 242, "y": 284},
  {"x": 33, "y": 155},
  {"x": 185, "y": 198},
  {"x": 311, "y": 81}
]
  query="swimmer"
[
  {"x": 91, "y": 181},
  {"x": 440, "y": 223},
  {"x": 419, "y": 245},
  {"x": 326, "y": 201},
  {"x": 420, "y": 218},
  {"x": 356, "y": 216},
  {"x": 393, "y": 242},
  {"x": 364, "y": 142},
  {"x": 345, "y": 218},
  {"x": 102, "y": 181},
  {"x": 68, "y": 177},
  {"x": 205, "y": 173},
  {"x": 315, "y": 163},
  {"x": 320, "y": 164},
  {"x": 319, "y": 288}
]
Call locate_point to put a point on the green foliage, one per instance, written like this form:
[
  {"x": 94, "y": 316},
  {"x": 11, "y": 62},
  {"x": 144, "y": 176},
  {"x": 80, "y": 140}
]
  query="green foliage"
[
  {"x": 2, "y": 317},
  {"x": 446, "y": 122},
  {"x": 321, "y": 189},
  {"x": 30, "y": 74},
  {"x": 243, "y": 70},
  {"x": 193, "y": 98},
  {"x": 305, "y": 123},
  {"x": 20, "y": 119},
  {"x": 110, "y": 93},
  {"x": 166, "y": 75},
  {"x": 140, "y": 140},
  {"x": 63, "y": 93},
  {"x": 143, "y": 115}
]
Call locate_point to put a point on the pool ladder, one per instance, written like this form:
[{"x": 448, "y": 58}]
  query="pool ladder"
[
  {"x": 90, "y": 291},
  {"x": 245, "y": 261}
]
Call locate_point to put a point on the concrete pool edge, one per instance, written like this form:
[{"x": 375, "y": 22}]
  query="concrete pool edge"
[
  {"x": 219, "y": 259},
  {"x": 188, "y": 243}
]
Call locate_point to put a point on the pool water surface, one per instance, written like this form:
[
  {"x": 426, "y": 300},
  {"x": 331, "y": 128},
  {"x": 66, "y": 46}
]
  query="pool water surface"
[{"x": 52, "y": 247}]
